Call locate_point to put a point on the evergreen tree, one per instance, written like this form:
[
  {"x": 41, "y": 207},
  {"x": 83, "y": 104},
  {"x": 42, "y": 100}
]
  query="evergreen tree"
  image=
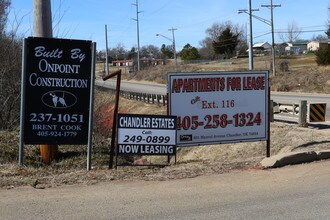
[
  {"x": 132, "y": 54},
  {"x": 189, "y": 53},
  {"x": 167, "y": 51},
  {"x": 328, "y": 24},
  {"x": 226, "y": 42}
]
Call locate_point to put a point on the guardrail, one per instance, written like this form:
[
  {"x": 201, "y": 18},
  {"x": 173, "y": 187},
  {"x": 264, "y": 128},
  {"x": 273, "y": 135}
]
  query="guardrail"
[
  {"x": 145, "y": 97},
  {"x": 286, "y": 107},
  {"x": 307, "y": 113},
  {"x": 276, "y": 107},
  {"x": 293, "y": 108}
]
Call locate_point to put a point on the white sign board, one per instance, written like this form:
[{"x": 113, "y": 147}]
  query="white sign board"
[
  {"x": 219, "y": 107},
  {"x": 146, "y": 134}
]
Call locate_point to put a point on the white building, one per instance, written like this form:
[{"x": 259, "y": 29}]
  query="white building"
[{"x": 316, "y": 45}]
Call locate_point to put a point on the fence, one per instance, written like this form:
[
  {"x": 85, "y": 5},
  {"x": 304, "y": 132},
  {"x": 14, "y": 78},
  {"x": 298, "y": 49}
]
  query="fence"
[
  {"x": 276, "y": 107},
  {"x": 145, "y": 97}
]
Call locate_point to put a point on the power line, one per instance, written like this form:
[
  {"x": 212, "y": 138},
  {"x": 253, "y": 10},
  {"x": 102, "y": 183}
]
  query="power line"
[
  {"x": 284, "y": 32},
  {"x": 261, "y": 35}
]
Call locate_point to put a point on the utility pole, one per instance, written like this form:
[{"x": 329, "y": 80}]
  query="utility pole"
[
  {"x": 43, "y": 28},
  {"x": 271, "y": 7},
  {"x": 106, "y": 51},
  {"x": 174, "y": 50},
  {"x": 251, "y": 39},
  {"x": 249, "y": 12},
  {"x": 42, "y": 18},
  {"x": 138, "y": 32}
]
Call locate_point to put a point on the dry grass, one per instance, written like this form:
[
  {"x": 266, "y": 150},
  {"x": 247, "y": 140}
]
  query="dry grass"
[
  {"x": 303, "y": 76},
  {"x": 70, "y": 167}
]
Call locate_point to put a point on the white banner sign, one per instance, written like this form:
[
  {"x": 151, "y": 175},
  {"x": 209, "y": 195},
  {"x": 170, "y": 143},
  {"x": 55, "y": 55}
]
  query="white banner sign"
[{"x": 219, "y": 107}]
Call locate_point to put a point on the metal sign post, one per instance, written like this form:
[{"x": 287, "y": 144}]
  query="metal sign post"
[
  {"x": 91, "y": 110},
  {"x": 21, "y": 142},
  {"x": 115, "y": 112}
]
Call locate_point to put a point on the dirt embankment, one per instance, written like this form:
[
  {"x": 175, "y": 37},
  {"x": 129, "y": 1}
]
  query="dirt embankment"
[{"x": 70, "y": 167}]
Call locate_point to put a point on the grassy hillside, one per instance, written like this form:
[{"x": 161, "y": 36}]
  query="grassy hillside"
[{"x": 303, "y": 74}]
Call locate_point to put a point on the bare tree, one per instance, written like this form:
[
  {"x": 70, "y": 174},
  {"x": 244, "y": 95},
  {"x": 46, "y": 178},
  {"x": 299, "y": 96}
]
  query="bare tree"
[
  {"x": 119, "y": 52},
  {"x": 10, "y": 71},
  {"x": 216, "y": 29},
  {"x": 291, "y": 34},
  {"x": 206, "y": 50},
  {"x": 320, "y": 38},
  {"x": 150, "y": 51},
  {"x": 214, "y": 33},
  {"x": 4, "y": 5}
]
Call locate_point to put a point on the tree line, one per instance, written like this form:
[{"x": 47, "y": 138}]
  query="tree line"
[
  {"x": 223, "y": 40},
  {"x": 10, "y": 71}
]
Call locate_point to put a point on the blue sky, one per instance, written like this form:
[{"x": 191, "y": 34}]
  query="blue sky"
[{"x": 86, "y": 19}]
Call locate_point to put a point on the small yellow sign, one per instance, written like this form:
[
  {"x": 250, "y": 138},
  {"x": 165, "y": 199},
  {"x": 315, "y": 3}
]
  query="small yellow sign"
[{"x": 317, "y": 112}]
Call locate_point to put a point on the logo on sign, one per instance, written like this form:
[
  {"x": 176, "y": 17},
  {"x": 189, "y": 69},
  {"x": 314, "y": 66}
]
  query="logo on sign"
[
  {"x": 186, "y": 137},
  {"x": 59, "y": 99}
]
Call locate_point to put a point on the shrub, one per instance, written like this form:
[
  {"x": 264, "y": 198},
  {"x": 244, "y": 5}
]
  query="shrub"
[
  {"x": 10, "y": 72},
  {"x": 10, "y": 80},
  {"x": 284, "y": 66},
  {"x": 323, "y": 57}
]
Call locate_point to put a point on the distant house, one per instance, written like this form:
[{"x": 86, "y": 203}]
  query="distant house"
[
  {"x": 281, "y": 48},
  {"x": 316, "y": 45},
  {"x": 261, "y": 48},
  {"x": 296, "y": 47},
  {"x": 144, "y": 60},
  {"x": 265, "y": 46},
  {"x": 122, "y": 63}
]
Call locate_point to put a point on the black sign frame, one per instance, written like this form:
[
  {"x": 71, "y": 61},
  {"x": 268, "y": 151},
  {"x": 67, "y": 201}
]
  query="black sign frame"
[{"x": 58, "y": 78}]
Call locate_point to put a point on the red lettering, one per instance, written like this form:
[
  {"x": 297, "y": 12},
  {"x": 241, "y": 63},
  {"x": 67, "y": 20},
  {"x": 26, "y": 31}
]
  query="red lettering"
[
  {"x": 234, "y": 83},
  {"x": 254, "y": 83}
]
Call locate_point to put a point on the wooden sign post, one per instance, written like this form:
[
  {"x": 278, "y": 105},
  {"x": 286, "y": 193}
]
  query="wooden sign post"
[{"x": 43, "y": 28}]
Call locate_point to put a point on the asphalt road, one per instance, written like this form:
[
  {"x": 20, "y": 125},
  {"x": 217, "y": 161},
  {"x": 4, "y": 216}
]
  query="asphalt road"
[
  {"x": 280, "y": 97},
  {"x": 152, "y": 88},
  {"x": 293, "y": 192}
]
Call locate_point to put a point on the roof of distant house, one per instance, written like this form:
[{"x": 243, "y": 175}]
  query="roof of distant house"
[{"x": 262, "y": 44}]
